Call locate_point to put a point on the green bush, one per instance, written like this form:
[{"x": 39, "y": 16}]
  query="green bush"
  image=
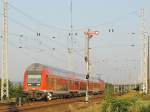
[
  {"x": 15, "y": 89},
  {"x": 145, "y": 109},
  {"x": 120, "y": 105},
  {"x": 109, "y": 89}
]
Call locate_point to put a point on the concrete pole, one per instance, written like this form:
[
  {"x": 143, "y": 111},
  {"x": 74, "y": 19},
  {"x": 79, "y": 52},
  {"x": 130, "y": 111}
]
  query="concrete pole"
[
  {"x": 87, "y": 67},
  {"x": 148, "y": 77}
]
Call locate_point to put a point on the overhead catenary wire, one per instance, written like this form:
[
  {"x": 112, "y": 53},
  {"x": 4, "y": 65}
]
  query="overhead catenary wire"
[
  {"x": 34, "y": 19},
  {"x": 33, "y": 31},
  {"x": 94, "y": 26},
  {"x": 77, "y": 49},
  {"x": 111, "y": 22},
  {"x": 46, "y": 46},
  {"x": 26, "y": 53},
  {"x": 38, "y": 21},
  {"x": 31, "y": 18},
  {"x": 27, "y": 49}
]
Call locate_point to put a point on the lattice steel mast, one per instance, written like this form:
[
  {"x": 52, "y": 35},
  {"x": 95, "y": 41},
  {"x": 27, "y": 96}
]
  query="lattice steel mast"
[
  {"x": 144, "y": 53},
  {"x": 4, "y": 76}
]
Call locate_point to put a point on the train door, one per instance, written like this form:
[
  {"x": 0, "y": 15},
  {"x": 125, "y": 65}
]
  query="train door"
[
  {"x": 50, "y": 83},
  {"x": 76, "y": 85}
]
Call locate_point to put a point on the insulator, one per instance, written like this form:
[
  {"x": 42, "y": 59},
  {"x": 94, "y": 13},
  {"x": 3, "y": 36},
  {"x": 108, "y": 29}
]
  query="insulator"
[
  {"x": 21, "y": 35},
  {"x": 112, "y": 30},
  {"x": 132, "y": 45},
  {"x": 38, "y": 34}
]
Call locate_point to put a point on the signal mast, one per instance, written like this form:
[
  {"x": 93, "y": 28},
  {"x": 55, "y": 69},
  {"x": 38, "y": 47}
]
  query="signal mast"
[{"x": 88, "y": 35}]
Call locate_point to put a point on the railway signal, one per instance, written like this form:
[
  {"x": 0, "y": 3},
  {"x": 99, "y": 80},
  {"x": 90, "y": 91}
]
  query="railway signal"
[{"x": 88, "y": 35}]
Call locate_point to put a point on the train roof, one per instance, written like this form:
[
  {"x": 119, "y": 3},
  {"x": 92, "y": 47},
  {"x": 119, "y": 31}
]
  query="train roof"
[{"x": 55, "y": 70}]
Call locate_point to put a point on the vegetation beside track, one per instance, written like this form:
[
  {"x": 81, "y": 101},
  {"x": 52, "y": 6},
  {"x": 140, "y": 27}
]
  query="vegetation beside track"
[
  {"x": 130, "y": 102},
  {"x": 15, "y": 90},
  {"x": 109, "y": 88}
]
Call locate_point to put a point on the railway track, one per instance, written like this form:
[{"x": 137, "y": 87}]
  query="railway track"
[{"x": 41, "y": 105}]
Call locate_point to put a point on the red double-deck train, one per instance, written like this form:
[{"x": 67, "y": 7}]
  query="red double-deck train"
[{"x": 48, "y": 82}]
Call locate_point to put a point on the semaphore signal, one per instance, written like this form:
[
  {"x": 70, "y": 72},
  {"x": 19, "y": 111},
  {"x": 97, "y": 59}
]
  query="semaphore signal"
[{"x": 88, "y": 35}]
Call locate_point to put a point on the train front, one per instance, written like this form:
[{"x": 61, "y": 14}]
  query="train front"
[{"x": 34, "y": 85}]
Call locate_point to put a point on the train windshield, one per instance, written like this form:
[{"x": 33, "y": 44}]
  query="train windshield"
[{"x": 34, "y": 80}]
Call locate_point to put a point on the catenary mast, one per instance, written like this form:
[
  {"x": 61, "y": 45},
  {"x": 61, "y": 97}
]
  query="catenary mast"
[{"x": 4, "y": 75}]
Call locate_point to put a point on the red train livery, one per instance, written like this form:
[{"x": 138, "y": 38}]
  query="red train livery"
[{"x": 42, "y": 81}]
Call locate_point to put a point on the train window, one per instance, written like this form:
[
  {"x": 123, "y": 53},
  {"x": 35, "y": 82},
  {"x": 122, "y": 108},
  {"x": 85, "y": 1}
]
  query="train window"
[{"x": 34, "y": 79}]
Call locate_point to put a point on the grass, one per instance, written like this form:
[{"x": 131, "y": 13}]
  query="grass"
[
  {"x": 92, "y": 108},
  {"x": 131, "y": 102},
  {"x": 145, "y": 108}
]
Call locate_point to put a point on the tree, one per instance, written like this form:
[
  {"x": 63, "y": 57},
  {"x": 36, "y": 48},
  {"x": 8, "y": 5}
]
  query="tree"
[{"x": 15, "y": 89}]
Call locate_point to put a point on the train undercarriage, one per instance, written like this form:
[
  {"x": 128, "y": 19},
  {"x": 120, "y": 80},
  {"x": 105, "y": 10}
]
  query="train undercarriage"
[{"x": 42, "y": 95}]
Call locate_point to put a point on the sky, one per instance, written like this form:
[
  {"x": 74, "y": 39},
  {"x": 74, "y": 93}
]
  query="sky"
[{"x": 115, "y": 56}]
